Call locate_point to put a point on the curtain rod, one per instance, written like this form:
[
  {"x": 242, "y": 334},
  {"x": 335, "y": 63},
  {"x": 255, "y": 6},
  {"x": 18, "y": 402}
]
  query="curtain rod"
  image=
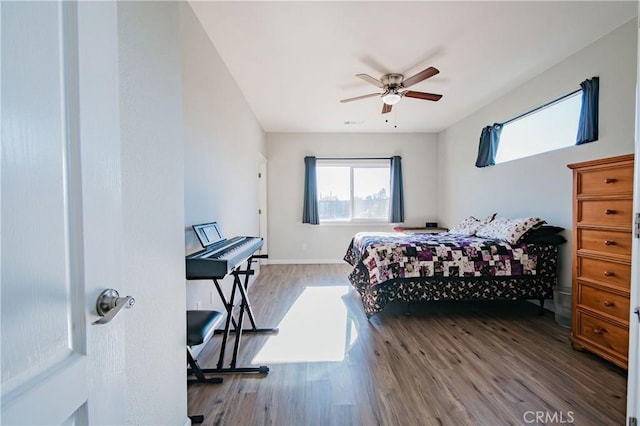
[
  {"x": 524, "y": 114},
  {"x": 354, "y": 158}
]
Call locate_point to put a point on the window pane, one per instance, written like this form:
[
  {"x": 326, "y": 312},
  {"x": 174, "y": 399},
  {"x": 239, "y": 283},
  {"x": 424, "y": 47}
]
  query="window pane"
[
  {"x": 371, "y": 193},
  {"x": 551, "y": 128},
  {"x": 333, "y": 192}
]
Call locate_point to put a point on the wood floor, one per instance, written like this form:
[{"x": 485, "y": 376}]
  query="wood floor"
[{"x": 452, "y": 363}]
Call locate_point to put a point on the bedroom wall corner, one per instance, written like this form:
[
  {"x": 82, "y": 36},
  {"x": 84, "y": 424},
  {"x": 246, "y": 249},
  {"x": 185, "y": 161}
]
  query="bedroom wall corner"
[
  {"x": 541, "y": 185},
  {"x": 291, "y": 241},
  {"x": 223, "y": 143}
]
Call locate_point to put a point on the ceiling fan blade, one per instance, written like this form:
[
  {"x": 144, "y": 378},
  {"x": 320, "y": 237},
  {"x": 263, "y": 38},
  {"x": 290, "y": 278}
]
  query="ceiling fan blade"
[
  {"x": 386, "y": 108},
  {"x": 422, "y": 75},
  {"x": 422, "y": 95},
  {"x": 370, "y": 95},
  {"x": 368, "y": 78}
]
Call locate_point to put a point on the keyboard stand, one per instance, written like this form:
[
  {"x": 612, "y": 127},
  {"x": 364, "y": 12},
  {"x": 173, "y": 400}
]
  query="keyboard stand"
[{"x": 233, "y": 323}]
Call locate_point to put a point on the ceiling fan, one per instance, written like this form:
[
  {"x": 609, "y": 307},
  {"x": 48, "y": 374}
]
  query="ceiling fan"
[{"x": 393, "y": 86}]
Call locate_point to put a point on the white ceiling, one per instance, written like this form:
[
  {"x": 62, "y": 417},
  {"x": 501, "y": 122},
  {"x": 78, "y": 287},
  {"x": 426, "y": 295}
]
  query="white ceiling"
[{"x": 294, "y": 61}]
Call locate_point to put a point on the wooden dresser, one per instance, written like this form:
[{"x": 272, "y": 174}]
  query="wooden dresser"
[{"x": 602, "y": 232}]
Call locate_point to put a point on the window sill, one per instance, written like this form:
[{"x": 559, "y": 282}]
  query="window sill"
[{"x": 379, "y": 223}]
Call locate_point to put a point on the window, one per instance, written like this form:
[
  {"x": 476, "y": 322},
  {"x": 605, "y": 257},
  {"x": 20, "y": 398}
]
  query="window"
[
  {"x": 352, "y": 190},
  {"x": 550, "y": 128}
]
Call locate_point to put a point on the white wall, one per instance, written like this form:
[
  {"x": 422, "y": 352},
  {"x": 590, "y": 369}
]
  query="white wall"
[
  {"x": 292, "y": 241},
  {"x": 541, "y": 185},
  {"x": 153, "y": 212},
  {"x": 223, "y": 140}
]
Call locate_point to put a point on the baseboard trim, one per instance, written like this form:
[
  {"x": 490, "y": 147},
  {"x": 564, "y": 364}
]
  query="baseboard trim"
[{"x": 304, "y": 261}]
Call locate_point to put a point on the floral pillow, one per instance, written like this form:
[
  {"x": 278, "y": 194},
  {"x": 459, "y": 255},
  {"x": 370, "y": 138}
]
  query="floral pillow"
[
  {"x": 470, "y": 225},
  {"x": 509, "y": 230}
]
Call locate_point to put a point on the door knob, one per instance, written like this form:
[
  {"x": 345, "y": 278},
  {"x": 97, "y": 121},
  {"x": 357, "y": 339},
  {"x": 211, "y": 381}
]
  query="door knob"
[{"x": 109, "y": 304}]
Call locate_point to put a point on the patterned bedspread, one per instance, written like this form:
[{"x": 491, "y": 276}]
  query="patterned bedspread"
[
  {"x": 395, "y": 267},
  {"x": 388, "y": 256}
]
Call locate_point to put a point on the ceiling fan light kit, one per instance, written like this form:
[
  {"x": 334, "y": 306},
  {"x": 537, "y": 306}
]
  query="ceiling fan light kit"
[
  {"x": 393, "y": 85},
  {"x": 391, "y": 98}
]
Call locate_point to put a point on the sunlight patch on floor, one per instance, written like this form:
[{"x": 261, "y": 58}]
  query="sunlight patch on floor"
[{"x": 316, "y": 328}]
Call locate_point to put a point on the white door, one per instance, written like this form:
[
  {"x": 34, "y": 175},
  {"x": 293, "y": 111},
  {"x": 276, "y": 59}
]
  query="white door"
[
  {"x": 60, "y": 213},
  {"x": 633, "y": 383}
]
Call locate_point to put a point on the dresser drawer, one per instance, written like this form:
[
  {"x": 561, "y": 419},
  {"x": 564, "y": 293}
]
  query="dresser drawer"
[
  {"x": 606, "y": 242},
  {"x": 604, "y": 272},
  {"x": 603, "y": 221},
  {"x": 604, "y": 301},
  {"x": 612, "y": 337},
  {"x": 609, "y": 181},
  {"x": 605, "y": 212}
]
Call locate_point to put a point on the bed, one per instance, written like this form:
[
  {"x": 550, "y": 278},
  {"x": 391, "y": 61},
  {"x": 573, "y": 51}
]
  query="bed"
[{"x": 390, "y": 267}]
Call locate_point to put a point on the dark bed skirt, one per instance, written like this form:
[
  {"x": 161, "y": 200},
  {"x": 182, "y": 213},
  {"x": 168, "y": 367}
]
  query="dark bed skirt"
[{"x": 374, "y": 298}]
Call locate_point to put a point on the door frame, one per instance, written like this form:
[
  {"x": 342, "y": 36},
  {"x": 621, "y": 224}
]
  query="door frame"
[{"x": 262, "y": 205}]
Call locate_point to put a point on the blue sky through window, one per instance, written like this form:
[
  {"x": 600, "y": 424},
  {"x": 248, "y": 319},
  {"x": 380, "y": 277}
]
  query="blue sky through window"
[
  {"x": 551, "y": 128},
  {"x": 368, "y": 181}
]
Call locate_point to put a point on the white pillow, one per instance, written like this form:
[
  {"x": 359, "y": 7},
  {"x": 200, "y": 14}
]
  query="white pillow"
[
  {"x": 470, "y": 225},
  {"x": 509, "y": 230}
]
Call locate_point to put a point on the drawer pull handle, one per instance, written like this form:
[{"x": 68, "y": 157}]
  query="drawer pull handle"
[
  {"x": 610, "y": 180},
  {"x": 609, "y": 243},
  {"x": 609, "y": 274},
  {"x": 608, "y": 303},
  {"x": 599, "y": 330},
  {"x": 609, "y": 211}
]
